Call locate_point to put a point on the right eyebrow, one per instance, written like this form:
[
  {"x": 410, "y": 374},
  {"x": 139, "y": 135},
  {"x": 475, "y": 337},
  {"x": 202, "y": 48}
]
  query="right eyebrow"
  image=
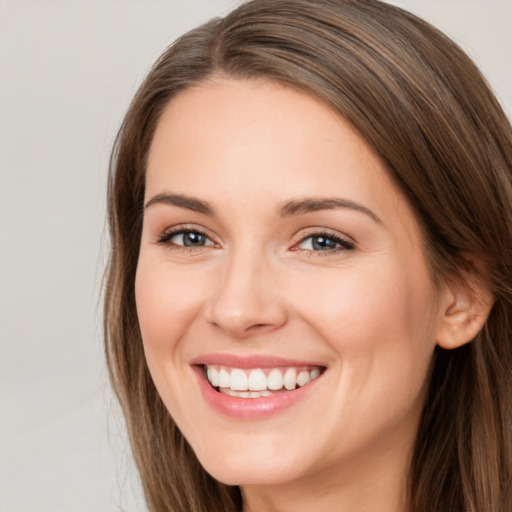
[
  {"x": 313, "y": 204},
  {"x": 182, "y": 201}
]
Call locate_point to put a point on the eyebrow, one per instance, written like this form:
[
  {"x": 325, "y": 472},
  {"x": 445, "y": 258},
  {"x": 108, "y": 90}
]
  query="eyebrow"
[
  {"x": 293, "y": 207},
  {"x": 187, "y": 202},
  {"x": 307, "y": 205}
]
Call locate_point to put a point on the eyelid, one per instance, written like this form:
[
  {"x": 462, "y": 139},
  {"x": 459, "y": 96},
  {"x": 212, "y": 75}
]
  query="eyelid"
[
  {"x": 164, "y": 236},
  {"x": 347, "y": 242}
]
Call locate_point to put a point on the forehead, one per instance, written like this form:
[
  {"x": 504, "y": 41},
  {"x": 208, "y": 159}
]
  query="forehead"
[
  {"x": 242, "y": 121},
  {"x": 230, "y": 139}
]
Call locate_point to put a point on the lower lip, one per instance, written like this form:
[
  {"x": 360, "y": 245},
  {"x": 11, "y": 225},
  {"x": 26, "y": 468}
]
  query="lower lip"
[{"x": 251, "y": 408}]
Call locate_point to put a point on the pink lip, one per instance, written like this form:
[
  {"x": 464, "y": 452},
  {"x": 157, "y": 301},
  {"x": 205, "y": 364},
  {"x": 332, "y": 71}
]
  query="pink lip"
[
  {"x": 249, "y": 408},
  {"x": 252, "y": 361}
]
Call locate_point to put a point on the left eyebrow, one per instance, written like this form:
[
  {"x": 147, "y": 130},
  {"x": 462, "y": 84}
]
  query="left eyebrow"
[
  {"x": 312, "y": 204},
  {"x": 182, "y": 201}
]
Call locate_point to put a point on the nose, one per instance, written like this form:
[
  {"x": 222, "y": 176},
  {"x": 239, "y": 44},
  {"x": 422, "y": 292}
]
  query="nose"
[{"x": 247, "y": 299}]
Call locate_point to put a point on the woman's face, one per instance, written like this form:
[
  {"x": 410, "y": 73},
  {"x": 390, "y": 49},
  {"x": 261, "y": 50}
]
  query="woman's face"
[{"x": 276, "y": 250}]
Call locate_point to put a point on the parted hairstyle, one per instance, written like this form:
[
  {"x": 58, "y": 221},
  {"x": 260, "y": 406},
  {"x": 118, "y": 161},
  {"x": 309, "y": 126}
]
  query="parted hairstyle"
[{"x": 426, "y": 110}]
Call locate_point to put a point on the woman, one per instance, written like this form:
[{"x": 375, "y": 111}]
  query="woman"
[{"x": 309, "y": 291}]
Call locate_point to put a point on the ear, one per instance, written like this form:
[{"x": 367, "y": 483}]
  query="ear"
[{"x": 465, "y": 308}]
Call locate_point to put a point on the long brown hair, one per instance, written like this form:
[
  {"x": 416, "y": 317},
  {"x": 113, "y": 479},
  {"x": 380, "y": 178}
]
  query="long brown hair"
[{"x": 427, "y": 111}]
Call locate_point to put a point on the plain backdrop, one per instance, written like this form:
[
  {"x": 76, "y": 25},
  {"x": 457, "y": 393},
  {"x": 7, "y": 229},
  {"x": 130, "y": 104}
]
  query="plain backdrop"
[{"x": 68, "y": 69}]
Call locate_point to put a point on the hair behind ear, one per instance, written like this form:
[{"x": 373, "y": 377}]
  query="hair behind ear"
[{"x": 466, "y": 424}]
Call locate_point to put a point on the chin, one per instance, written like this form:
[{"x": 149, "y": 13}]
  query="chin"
[
  {"x": 255, "y": 475},
  {"x": 242, "y": 468}
]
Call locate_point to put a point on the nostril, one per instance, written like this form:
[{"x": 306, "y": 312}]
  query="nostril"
[{"x": 259, "y": 328}]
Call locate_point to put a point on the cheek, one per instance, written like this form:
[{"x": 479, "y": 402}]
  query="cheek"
[
  {"x": 379, "y": 320},
  {"x": 167, "y": 303},
  {"x": 381, "y": 330}
]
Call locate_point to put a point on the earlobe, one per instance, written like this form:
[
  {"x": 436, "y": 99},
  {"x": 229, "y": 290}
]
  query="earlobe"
[{"x": 465, "y": 310}]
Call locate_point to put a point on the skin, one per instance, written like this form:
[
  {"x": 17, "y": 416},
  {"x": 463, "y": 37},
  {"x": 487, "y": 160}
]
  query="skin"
[{"x": 369, "y": 314}]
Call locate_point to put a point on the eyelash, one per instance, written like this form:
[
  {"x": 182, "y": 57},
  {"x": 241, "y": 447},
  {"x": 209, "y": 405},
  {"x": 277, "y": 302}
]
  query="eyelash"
[
  {"x": 164, "y": 238},
  {"x": 343, "y": 244}
]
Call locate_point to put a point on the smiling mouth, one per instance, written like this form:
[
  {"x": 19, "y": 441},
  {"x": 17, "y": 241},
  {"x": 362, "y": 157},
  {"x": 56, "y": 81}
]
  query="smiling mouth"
[{"x": 259, "y": 382}]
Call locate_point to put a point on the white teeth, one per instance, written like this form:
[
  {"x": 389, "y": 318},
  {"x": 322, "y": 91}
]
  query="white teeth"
[
  {"x": 238, "y": 380},
  {"x": 245, "y": 394},
  {"x": 290, "y": 379},
  {"x": 257, "y": 394},
  {"x": 213, "y": 377},
  {"x": 223, "y": 378},
  {"x": 229, "y": 392},
  {"x": 303, "y": 378},
  {"x": 258, "y": 382},
  {"x": 275, "y": 380}
]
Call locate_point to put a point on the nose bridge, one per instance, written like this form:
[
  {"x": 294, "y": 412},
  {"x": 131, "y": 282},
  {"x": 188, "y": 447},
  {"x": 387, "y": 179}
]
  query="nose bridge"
[{"x": 246, "y": 298}]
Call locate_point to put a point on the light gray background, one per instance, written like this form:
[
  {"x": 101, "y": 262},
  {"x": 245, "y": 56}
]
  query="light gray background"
[{"x": 68, "y": 69}]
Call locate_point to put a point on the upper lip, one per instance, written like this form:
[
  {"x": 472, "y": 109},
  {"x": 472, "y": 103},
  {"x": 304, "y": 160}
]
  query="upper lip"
[{"x": 250, "y": 361}]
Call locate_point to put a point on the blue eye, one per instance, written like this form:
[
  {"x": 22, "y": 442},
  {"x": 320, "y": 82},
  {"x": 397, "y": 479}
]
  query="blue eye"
[
  {"x": 186, "y": 238},
  {"x": 324, "y": 242}
]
